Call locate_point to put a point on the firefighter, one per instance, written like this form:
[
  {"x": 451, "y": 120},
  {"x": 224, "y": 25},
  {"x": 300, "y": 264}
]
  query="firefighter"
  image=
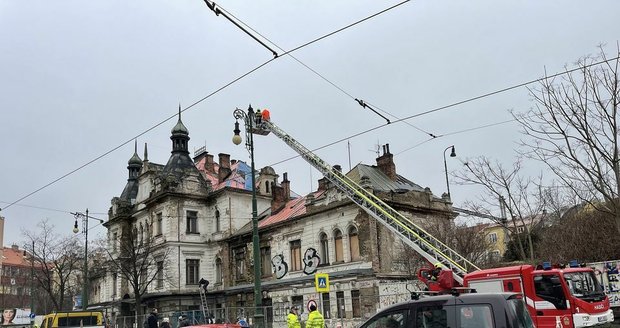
[{"x": 436, "y": 271}]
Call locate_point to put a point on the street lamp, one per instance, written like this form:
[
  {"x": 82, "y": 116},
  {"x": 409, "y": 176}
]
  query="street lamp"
[
  {"x": 445, "y": 165},
  {"x": 249, "y": 120},
  {"x": 84, "y": 218}
]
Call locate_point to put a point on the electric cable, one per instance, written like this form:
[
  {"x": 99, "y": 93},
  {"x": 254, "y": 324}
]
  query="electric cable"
[
  {"x": 329, "y": 144},
  {"x": 488, "y": 94},
  {"x": 361, "y": 102},
  {"x": 196, "y": 103}
]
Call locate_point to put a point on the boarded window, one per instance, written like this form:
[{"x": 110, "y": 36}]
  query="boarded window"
[
  {"x": 354, "y": 244},
  {"x": 324, "y": 249},
  {"x": 295, "y": 255},
  {"x": 265, "y": 261},
  {"x": 338, "y": 246}
]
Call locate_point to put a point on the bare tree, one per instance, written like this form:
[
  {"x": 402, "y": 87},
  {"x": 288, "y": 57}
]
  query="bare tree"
[
  {"x": 58, "y": 264},
  {"x": 571, "y": 237},
  {"x": 141, "y": 261},
  {"x": 573, "y": 129},
  {"x": 469, "y": 241},
  {"x": 505, "y": 190}
]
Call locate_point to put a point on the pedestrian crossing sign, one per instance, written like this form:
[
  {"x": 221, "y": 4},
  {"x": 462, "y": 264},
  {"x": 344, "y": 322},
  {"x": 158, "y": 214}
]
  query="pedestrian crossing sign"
[{"x": 321, "y": 282}]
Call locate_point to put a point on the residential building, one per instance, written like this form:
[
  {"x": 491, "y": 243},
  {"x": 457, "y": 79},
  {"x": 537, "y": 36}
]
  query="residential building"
[
  {"x": 15, "y": 280},
  {"x": 198, "y": 213}
]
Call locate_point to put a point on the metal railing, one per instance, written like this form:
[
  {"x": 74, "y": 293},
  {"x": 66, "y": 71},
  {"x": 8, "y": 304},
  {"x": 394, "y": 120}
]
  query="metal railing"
[{"x": 344, "y": 313}]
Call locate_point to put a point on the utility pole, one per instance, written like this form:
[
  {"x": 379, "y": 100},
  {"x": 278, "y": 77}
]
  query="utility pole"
[{"x": 32, "y": 286}]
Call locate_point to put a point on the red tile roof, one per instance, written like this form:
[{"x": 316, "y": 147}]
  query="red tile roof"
[
  {"x": 292, "y": 209},
  {"x": 14, "y": 257}
]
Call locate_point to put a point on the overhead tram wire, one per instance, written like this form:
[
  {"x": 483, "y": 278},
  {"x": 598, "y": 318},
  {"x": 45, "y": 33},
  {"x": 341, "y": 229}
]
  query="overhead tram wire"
[
  {"x": 361, "y": 102},
  {"x": 488, "y": 94},
  {"x": 338, "y": 141},
  {"x": 194, "y": 104}
]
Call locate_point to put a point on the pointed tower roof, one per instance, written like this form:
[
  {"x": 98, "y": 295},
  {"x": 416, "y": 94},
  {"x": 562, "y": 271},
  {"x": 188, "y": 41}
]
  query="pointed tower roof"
[
  {"x": 135, "y": 159},
  {"x": 179, "y": 160},
  {"x": 134, "y": 165},
  {"x": 180, "y": 127}
]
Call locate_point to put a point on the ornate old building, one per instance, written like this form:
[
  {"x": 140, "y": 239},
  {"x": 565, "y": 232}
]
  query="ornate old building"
[{"x": 194, "y": 214}]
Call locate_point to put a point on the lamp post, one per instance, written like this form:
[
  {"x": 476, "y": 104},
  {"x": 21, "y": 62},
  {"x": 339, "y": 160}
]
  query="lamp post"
[
  {"x": 85, "y": 219},
  {"x": 445, "y": 165},
  {"x": 248, "y": 119}
]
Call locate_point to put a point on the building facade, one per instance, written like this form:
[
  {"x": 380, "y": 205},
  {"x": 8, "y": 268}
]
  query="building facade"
[{"x": 198, "y": 215}]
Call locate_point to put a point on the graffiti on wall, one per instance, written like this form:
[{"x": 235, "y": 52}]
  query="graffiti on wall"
[
  {"x": 311, "y": 261},
  {"x": 280, "y": 268}
]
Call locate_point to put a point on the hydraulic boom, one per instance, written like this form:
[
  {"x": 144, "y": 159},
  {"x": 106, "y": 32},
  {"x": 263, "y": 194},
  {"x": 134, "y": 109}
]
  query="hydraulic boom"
[{"x": 429, "y": 247}]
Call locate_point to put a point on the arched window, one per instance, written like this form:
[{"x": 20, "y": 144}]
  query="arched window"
[
  {"x": 354, "y": 244},
  {"x": 141, "y": 234},
  {"x": 266, "y": 187},
  {"x": 217, "y": 220},
  {"x": 324, "y": 242},
  {"x": 135, "y": 236},
  {"x": 338, "y": 245},
  {"x": 218, "y": 270}
]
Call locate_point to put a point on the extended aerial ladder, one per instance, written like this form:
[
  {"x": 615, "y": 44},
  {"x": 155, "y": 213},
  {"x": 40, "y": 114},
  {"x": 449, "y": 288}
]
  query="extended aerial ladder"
[{"x": 429, "y": 247}]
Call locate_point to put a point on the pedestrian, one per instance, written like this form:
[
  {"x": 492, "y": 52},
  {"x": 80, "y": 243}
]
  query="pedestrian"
[
  {"x": 315, "y": 318},
  {"x": 183, "y": 322},
  {"x": 165, "y": 323},
  {"x": 151, "y": 320},
  {"x": 292, "y": 319}
]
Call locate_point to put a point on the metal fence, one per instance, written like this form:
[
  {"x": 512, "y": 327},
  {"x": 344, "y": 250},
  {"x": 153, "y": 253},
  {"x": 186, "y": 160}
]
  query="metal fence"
[{"x": 350, "y": 314}]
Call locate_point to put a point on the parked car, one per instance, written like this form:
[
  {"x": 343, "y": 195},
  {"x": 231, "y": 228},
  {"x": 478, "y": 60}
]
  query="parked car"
[{"x": 471, "y": 310}]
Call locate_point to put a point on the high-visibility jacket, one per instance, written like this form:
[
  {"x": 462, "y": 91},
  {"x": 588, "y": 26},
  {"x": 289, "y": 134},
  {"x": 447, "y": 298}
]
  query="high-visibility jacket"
[
  {"x": 315, "y": 320},
  {"x": 292, "y": 321}
]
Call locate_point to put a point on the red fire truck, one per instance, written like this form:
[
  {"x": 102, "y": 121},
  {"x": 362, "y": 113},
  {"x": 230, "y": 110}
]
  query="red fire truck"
[{"x": 556, "y": 298}]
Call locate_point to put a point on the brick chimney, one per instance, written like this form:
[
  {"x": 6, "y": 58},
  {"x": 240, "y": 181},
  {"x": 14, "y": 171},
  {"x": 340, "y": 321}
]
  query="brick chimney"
[
  {"x": 209, "y": 163},
  {"x": 286, "y": 185},
  {"x": 224, "y": 170},
  {"x": 280, "y": 194},
  {"x": 323, "y": 184},
  {"x": 385, "y": 163}
]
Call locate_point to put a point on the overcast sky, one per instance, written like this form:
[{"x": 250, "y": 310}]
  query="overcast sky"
[{"x": 80, "y": 78}]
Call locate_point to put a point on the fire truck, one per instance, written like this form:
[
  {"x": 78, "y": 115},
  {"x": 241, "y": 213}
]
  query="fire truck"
[
  {"x": 555, "y": 297},
  {"x": 608, "y": 274}
]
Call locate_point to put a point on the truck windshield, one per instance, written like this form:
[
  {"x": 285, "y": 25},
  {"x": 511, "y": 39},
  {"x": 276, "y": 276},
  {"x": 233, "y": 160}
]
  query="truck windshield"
[
  {"x": 584, "y": 285},
  {"x": 518, "y": 313}
]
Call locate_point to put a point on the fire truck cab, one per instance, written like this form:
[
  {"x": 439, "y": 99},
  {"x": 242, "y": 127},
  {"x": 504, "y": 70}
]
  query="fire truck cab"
[{"x": 555, "y": 297}]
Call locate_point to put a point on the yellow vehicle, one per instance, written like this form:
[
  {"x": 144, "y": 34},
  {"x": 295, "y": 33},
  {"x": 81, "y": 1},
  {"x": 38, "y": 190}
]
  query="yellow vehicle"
[{"x": 74, "y": 319}]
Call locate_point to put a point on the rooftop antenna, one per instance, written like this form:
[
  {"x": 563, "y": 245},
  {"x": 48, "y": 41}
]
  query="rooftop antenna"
[{"x": 378, "y": 150}]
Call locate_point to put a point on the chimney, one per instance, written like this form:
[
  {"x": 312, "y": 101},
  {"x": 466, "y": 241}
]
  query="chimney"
[
  {"x": 209, "y": 163},
  {"x": 280, "y": 194},
  {"x": 338, "y": 168},
  {"x": 286, "y": 186},
  {"x": 224, "y": 170},
  {"x": 385, "y": 163},
  {"x": 323, "y": 184}
]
